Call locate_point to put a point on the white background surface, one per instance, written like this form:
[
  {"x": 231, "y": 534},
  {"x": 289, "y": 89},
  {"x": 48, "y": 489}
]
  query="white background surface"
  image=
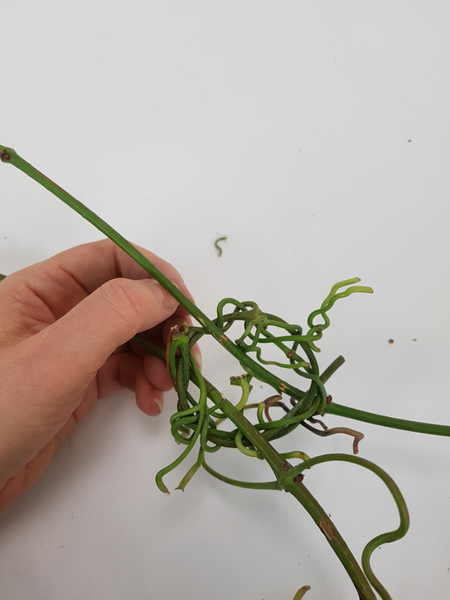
[{"x": 315, "y": 135}]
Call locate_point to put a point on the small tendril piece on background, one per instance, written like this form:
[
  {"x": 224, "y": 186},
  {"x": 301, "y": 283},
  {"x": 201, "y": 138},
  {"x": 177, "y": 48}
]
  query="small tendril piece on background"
[{"x": 216, "y": 244}]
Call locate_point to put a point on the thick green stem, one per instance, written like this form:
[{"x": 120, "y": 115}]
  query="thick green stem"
[
  {"x": 280, "y": 467},
  {"x": 8, "y": 155},
  {"x": 334, "y": 538},
  {"x": 381, "y": 539},
  {"x": 368, "y": 417}
]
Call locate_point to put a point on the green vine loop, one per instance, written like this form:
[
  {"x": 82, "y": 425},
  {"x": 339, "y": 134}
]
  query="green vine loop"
[
  {"x": 185, "y": 418},
  {"x": 381, "y": 539},
  {"x": 240, "y": 446},
  {"x": 250, "y": 485}
]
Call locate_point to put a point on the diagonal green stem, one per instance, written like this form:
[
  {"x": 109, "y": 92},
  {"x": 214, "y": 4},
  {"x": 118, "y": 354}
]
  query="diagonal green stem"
[
  {"x": 384, "y": 538},
  {"x": 10, "y": 156},
  {"x": 280, "y": 468}
]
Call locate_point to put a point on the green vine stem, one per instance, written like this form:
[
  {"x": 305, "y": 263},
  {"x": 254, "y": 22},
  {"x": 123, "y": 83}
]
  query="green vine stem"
[
  {"x": 394, "y": 423},
  {"x": 10, "y": 156},
  {"x": 381, "y": 539},
  {"x": 196, "y": 423},
  {"x": 280, "y": 467},
  {"x": 290, "y": 479}
]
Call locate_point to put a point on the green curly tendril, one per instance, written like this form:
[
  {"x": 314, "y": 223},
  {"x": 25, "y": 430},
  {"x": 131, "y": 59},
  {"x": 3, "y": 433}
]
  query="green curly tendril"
[
  {"x": 381, "y": 539},
  {"x": 216, "y": 244}
]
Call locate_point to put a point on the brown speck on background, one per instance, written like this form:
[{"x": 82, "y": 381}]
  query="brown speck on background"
[{"x": 391, "y": 341}]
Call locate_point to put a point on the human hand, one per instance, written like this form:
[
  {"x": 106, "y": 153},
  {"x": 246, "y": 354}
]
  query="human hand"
[{"x": 63, "y": 345}]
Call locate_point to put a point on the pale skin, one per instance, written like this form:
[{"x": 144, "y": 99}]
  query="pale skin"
[{"x": 64, "y": 328}]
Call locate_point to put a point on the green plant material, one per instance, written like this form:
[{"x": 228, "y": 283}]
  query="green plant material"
[
  {"x": 201, "y": 408},
  {"x": 2, "y": 277},
  {"x": 378, "y": 541},
  {"x": 301, "y": 592},
  {"x": 10, "y": 156},
  {"x": 250, "y": 485},
  {"x": 216, "y": 244},
  {"x": 392, "y": 422}
]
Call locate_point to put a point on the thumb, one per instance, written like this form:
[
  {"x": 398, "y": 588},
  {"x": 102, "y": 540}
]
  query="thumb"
[{"x": 47, "y": 374}]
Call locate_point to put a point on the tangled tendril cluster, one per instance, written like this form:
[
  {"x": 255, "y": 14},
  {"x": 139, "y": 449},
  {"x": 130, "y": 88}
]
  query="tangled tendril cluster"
[{"x": 196, "y": 420}]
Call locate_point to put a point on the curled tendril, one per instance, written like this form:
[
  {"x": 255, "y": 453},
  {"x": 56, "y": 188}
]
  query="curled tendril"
[
  {"x": 317, "y": 330},
  {"x": 239, "y": 306},
  {"x": 244, "y": 382},
  {"x": 273, "y": 401},
  {"x": 199, "y": 409},
  {"x": 240, "y": 446},
  {"x": 196, "y": 422},
  {"x": 325, "y": 432},
  {"x": 381, "y": 539},
  {"x": 216, "y": 244}
]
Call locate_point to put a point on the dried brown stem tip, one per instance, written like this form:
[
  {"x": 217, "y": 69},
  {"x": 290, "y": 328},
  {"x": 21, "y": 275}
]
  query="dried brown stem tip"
[
  {"x": 273, "y": 401},
  {"x": 357, "y": 435},
  {"x": 301, "y": 592}
]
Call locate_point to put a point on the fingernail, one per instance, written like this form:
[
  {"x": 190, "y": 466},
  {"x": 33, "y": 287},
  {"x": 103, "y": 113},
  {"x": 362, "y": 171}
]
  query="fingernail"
[
  {"x": 163, "y": 295},
  {"x": 158, "y": 398}
]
